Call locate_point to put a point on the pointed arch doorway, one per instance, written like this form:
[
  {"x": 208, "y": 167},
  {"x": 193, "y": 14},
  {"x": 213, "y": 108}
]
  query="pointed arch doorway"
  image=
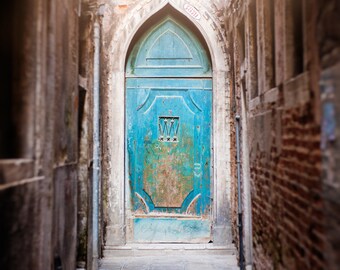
[
  {"x": 120, "y": 202},
  {"x": 168, "y": 137}
]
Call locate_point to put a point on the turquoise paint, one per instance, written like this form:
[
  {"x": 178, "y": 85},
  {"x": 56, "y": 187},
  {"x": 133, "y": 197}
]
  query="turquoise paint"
[
  {"x": 170, "y": 230},
  {"x": 168, "y": 133},
  {"x": 169, "y": 50}
]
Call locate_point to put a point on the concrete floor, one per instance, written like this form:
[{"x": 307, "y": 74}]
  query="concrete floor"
[{"x": 170, "y": 257}]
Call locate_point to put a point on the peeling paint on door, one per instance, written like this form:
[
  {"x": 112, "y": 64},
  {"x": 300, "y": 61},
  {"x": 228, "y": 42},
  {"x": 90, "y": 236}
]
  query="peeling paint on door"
[{"x": 168, "y": 135}]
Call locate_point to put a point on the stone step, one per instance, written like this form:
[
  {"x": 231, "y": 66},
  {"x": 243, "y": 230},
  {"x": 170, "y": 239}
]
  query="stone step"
[
  {"x": 171, "y": 262},
  {"x": 135, "y": 250}
]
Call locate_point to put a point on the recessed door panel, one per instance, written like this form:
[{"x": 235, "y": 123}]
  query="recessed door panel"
[{"x": 168, "y": 135}]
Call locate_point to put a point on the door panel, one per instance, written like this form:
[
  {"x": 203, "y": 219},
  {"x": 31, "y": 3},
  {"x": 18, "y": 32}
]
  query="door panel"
[{"x": 168, "y": 144}]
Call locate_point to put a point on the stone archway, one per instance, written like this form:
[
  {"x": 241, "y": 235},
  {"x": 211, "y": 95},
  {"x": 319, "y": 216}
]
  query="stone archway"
[{"x": 117, "y": 35}]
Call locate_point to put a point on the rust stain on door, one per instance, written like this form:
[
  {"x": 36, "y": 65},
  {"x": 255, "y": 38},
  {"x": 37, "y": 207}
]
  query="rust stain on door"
[{"x": 168, "y": 175}]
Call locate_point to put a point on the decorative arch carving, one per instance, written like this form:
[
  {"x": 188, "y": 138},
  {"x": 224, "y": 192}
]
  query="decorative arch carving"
[{"x": 169, "y": 49}]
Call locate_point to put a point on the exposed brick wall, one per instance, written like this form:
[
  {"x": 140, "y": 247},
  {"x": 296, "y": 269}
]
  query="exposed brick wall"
[
  {"x": 286, "y": 197},
  {"x": 294, "y": 185}
]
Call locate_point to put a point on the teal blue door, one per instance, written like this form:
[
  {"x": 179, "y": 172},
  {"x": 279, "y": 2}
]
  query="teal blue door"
[{"x": 168, "y": 136}]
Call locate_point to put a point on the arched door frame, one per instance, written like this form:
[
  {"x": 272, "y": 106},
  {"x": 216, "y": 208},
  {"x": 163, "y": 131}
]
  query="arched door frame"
[{"x": 113, "y": 115}]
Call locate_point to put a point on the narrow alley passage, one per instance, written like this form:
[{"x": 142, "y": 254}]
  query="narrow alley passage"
[{"x": 170, "y": 135}]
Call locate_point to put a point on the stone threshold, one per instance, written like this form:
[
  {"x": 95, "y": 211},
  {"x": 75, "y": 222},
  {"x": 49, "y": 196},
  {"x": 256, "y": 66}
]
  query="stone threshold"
[{"x": 167, "y": 249}]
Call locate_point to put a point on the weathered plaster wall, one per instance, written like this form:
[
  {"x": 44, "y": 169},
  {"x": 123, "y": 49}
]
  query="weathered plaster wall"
[
  {"x": 88, "y": 15},
  {"x": 65, "y": 141},
  {"x": 38, "y": 171}
]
